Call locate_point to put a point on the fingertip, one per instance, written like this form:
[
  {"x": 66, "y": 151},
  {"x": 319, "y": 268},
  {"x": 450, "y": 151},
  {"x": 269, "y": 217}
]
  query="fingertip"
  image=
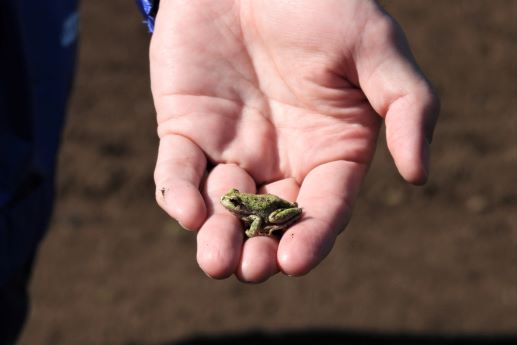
[
  {"x": 291, "y": 267},
  {"x": 219, "y": 271},
  {"x": 258, "y": 261},
  {"x": 409, "y": 126},
  {"x": 219, "y": 244},
  {"x": 179, "y": 169},
  {"x": 184, "y": 203},
  {"x": 192, "y": 220},
  {"x": 413, "y": 173},
  {"x": 416, "y": 178},
  {"x": 302, "y": 248},
  {"x": 413, "y": 164}
]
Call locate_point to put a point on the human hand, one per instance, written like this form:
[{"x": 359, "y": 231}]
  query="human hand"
[{"x": 286, "y": 97}]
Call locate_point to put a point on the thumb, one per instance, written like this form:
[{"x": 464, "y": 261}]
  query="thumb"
[{"x": 400, "y": 93}]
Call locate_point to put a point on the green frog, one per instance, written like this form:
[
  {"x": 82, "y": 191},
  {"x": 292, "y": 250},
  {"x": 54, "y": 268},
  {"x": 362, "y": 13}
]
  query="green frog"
[{"x": 262, "y": 214}]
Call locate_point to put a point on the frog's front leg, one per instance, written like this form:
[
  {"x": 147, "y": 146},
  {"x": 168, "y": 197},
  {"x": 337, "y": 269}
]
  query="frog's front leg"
[
  {"x": 285, "y": 215},
  {"x": 256, "y": 223}
]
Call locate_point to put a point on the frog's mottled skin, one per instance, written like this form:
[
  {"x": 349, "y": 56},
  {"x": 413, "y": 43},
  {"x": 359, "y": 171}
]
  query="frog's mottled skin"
[{"x": 262, "y": 214}]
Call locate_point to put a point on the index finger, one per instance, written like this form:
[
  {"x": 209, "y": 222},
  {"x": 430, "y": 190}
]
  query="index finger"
[{"x": 326, "y": 197}]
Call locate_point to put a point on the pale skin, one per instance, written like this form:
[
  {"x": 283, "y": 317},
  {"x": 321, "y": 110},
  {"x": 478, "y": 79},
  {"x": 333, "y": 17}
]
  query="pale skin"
[{"x": 286, "y": 97}]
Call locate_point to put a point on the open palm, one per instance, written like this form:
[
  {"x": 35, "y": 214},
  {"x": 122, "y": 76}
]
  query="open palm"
[{"x": 283, "y": 97}]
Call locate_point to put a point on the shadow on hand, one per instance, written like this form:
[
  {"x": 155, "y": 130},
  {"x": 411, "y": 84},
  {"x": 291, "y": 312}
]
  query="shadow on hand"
[{"x": 334, "y": 337}]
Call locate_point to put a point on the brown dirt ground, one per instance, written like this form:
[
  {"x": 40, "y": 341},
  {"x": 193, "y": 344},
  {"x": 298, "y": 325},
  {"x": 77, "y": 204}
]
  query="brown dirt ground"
[{"x": 440, "y": 259}]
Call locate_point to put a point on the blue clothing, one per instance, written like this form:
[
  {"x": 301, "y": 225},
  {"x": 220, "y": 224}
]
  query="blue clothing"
[
  {"x": 37, "y": 57},
  {"x": 149, "y": 9}
]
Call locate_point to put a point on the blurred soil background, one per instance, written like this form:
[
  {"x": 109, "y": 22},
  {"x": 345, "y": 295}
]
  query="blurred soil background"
[{"x": 439, "y": 259}]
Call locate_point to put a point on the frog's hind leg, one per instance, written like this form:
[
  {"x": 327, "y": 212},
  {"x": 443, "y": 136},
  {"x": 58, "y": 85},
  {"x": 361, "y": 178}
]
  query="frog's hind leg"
[
  {"x": 271, "y": 229},
  {"x": 283, "y": 216},
  {"x": 255, "y": 226}
]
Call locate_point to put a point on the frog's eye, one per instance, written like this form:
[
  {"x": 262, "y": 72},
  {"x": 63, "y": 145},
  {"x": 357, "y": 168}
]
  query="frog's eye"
[{"x": 234, "y": 200}]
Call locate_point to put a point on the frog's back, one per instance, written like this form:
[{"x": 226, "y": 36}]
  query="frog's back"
[{"x": 272, "y": 203}]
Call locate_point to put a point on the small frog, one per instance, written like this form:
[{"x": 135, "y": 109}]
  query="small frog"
[{"x": 262, "y": 214}]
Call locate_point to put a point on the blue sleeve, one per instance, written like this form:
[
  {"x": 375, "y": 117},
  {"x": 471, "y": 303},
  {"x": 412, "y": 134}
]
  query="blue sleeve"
[
  {"x": 149, "y": 9},
  {"x": 37, "y": 60}
]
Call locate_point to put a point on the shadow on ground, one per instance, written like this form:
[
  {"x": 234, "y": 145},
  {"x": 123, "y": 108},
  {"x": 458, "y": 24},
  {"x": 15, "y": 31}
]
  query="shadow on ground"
[{"x": 334, "y": 337}]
